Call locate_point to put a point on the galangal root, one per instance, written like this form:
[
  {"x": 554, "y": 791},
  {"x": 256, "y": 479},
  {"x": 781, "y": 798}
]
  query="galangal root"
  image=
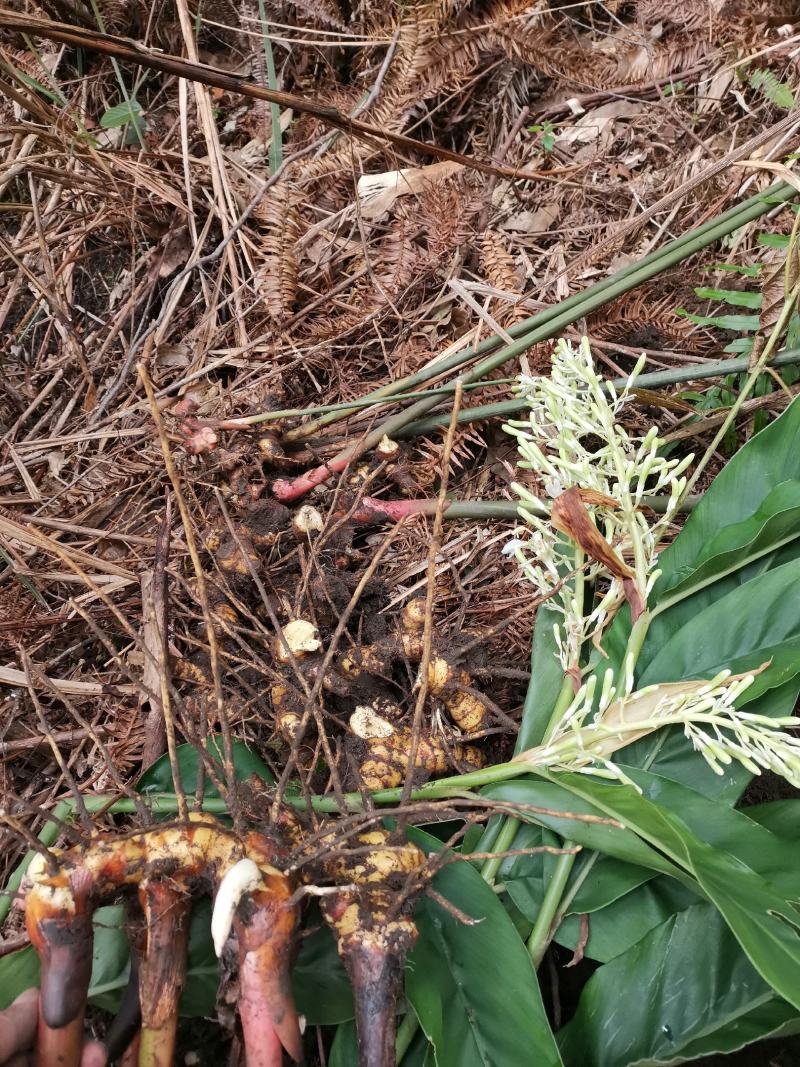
[
  {"x": 375, "y": 881},
  {"x": 163, "y": 869},
  {"x": 380, "y": 874},
  {"x": 383, "y": 746}
]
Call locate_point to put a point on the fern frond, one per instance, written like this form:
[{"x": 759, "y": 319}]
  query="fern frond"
[{"x": 276, "y": 280}]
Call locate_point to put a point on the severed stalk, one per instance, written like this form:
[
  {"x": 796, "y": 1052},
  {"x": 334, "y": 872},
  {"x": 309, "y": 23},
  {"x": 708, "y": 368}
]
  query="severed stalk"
[
  {"x": 373, "y": 935},
  {"x": 162, "y": 968},
  {"x": 59, "y": 925}
]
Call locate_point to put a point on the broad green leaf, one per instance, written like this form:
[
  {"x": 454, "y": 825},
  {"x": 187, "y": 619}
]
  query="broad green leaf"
[
  {"x": 751, "y": 271},
  {"x": 774, "y": 240},
  {"x": 322, "y": 990},
  {"x": 756, "y": 623},
  {"x": 768, "y": 1020},
  {"x": 459, "y": 978},
  {"x": 547, "y": 677},
  {"x": 158, "y": 777},
  {"x": 420, "y": 1052},
  {"x": 321, "y": 987},
  {"x": 595, "y": 881},
  {"x": 683, "y": 990},
  {"x": 741, "y": 345},
  {"x": 781, "y": 817},
  {"x": 607, "y": 880},
  {"x": 775, "y": 522},
  {"x": 524, "y": 877},
  {"x": 735, "y": 297},
  {"x": 18, "y": 971},
  {"x": 615, "y": 928},
  {"x": 129, "y": 111},
  {"x": 764, "y": 919},
  {"x": 110, "y": 958},
  {"x": 738, "y": 492},
  {"x": 344, "y": 1050}
]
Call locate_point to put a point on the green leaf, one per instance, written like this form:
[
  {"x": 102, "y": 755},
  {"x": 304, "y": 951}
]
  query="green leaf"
[
  {"x": 322, "y": 990},
  {"x": 460, "y": 978},
  {"x": 158, "y": 777},
  {"x": 344, "y": 1050},
  {"x": 202, "y": 968},
  {"x": 736, "y": 297},
  {"x": 615, "y": 928},
  {"x": 547, "y": 677},
  {"x": 18, "y": 971},
  {"x": 774, "y": 240},
  {"x": 735, "y": 323},
  {"x": 754, "y": 624},
  {"x": 110, "y": 958},
  {"x": 678, "y": 1001},
  {"x": 777, "y": 92},
  {"x": 751, "y": 271},
  {"x": 773, "y": 523},
  {"x": 739, "y": 492},
  {"x": 780, "y": 817},
  {"x": 763, "y": 917},
  {"x": 607, "y": 881},
  {"x": 129, "y": 111}
]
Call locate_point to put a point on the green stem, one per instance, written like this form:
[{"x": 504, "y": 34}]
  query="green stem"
[
  {"x": 563, "y": 701},
  {"x": 275, "y": 144},
  {"x": 405, "y": 1035},
  {"x": 540, "y": 935},
  {"x": 48, "y": 836},
  {"x": 505, "y": 840},
  {"x": 552, "y": 911},
  {"x": 653, "y": 380},
  {"x": 167, "y": 804},
  {"x": 354, "y": 405},
  {"x": 120, "y": 80}
]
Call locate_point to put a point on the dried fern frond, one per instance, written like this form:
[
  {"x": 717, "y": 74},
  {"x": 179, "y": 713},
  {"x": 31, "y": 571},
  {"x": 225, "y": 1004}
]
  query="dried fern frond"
[
  {"x": 276, "y": 280},
  {"x": 399, "y": 259},
  {"x": 446, "y": 212},
  {"x": 643, "y": 318},
  {"x": 323, "y": 12},
  {"x": 498, "y": 266}
]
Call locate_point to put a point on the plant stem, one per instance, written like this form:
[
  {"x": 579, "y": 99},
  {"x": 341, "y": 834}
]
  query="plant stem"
[
  {"x": 275, "y": 144},
  {"x": 48, "y": 835},
  {"x": 552, "y": 320},
  {"x": 775, "y": 335},
  {"x": 565, "y": 696},
  {"x": 505, "y": 839},
  {"x": 540, "y": 935},
  {"x": 405, "y": 1034}
]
